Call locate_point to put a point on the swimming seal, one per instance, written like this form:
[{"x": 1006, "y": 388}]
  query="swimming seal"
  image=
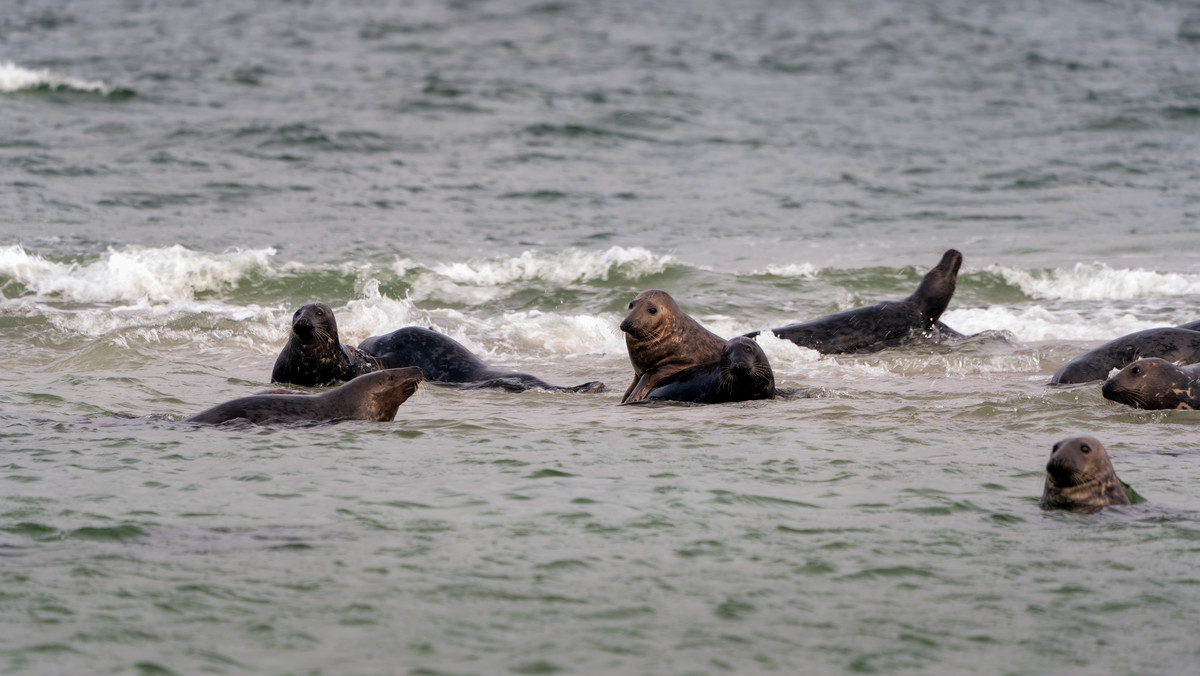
[
  {"x": 742, "y": 374},
  {"x": 662, "y": 340},
  {"x": 314, "y": 355},
  {"x": 373, "y": 396},
  {"x": 887, "y": 323},
  {"x": 1080, "y": 474},
  {"x": 445, "y": 361},
  {"x": 1155, "y": 384},
  {"x": 1179, "y": 344}
]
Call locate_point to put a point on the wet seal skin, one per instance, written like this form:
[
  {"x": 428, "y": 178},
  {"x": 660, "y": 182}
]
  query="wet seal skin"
[
  {"x": 1080, "y": 474},
  {"x": 743, "y": 374},
  {"x": 1179, "y": 344},
  {"x": 1155, "y": 384},
  {"x": 663, "y": 340},
  {"x": 314, "y": 354},
  {"x": 373, "y": 396},
  {"x": 887, "y": 323},
  {"x": 447, "y": 362}
]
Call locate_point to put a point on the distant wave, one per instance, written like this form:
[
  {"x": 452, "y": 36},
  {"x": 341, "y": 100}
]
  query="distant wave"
[
  {"x": 132, "y": 274},
  {"x": 1032, "y": 323},
  {"x": 1098, "y": 282},
  {"x": 14, "y": 78},
  {"x": 562, "y": 267},
  {"x": 791, "y": 270}
]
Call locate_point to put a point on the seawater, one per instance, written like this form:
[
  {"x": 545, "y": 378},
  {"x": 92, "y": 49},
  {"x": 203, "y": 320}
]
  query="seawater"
[{"x": 177, "y": 180}]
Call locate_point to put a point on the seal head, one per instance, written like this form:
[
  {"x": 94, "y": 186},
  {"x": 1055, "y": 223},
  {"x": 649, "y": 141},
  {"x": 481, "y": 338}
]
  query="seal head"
[
  {"x": 1155, "y": 384},
  {"x": 314, "y": 354},
  {"x": 1080, "y": 474}
]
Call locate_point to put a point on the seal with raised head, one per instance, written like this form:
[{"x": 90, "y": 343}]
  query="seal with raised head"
[
  {"x": 1180, "y": 344},
  {"x": 1080, "y": 474},
  {"x": 663, "y": 340},
  {"x": 742, "y": 374},
  {"x": 1155, "y": 384},
  {"x": 885, "y": 324},
  {"x": 314, "y": 354},
  {"x": 373, "y": 396},
  {"x": 447, "y": 362}
]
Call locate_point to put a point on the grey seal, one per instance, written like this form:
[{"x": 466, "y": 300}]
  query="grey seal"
[
  {"x": 663, "y": 340},
  {"x": 1080, "y": 474}
]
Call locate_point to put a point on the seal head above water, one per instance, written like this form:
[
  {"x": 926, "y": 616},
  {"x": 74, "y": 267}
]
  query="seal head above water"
[
  {"x": 373, "y": 396},
  {"x": 1080, "y": 474},
  {"x": 886, "y": 323},
  {"x": 314, "y": 354},
  {"x": 1155, "y": 384},
  {"x": 663, "y": 340},
  {"x": 742, "y": 374}
]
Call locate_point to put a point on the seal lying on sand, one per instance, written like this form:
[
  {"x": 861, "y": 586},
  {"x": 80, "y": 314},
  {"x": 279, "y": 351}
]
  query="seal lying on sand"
[
  {"x": 314, "y": 355},
  {"x": 1080, "y": 474},
  {"x": 887, "y": 323},
  {"x": 663, "y": 340},
  {"x": 445, "y": 361},
  {"x": 742, "y": 374},
  {"x": 374, "y": 396},
  {"x": 1155, "y": 384},
  {"x": 1181, "y": 344}
]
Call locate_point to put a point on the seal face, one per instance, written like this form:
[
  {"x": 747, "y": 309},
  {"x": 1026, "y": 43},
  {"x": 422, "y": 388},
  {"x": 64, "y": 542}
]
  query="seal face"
[
  {"x": 1180, "y": 344},
  {"x": 886, "y": 323},
  {"x": 373, "y": 396},
  {"x": 1155, "y": 384},
  {"x": 1080, "y": 474},
  {"x": 446, "y": 361},
  {"x": 742, "y": 374},
  {"x": 663, "y": 340},
  {"x": 314, "y": 355}
]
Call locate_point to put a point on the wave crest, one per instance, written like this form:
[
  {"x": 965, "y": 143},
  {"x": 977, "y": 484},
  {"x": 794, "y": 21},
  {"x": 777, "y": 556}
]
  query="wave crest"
[
  {"x": 14, "y": 78},
  {"x": 1097, "y": 281},
  {"x": 570, "y": 266}
]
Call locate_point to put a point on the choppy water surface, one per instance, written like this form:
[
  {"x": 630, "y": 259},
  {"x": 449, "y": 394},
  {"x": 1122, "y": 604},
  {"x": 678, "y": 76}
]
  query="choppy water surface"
[{"x": 175, "y": 181}]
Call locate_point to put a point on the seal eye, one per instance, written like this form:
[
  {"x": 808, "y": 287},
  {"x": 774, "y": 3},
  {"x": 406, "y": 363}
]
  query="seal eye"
[
  {"x": 320, "y": 313},
  {"x": 1135, "y": 370},
  {"x": 630, "y": 305},
  {"x": 1054, "y": 449},
  {"x": 653, "y": 310},
  {"x": 1085, "y": 448}
]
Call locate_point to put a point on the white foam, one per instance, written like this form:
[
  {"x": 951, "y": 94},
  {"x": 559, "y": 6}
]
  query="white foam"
[
  {"x": 1097, "y": 281},
  {"x": 165, "y": 275},
  {"x": 806, "y": 270},
  {"x": 14, "y": 78},
  {"x": 1037, "y": 322},
  {"x": 562, "y": 267}
]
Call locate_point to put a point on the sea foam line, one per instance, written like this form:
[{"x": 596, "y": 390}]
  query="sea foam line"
[
  {"x": 169, "y": 274},
  {"x": 14, "y": 78},
  {"x": 1097, "y": 281},
  {"x": 568, "y": 266}
]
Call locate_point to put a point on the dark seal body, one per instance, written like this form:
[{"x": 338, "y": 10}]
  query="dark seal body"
[
  {"x": 1173, "y": 344},
  {"x": 886, "y": 323},
  {"x": 1155, "y": 384},
  {"x": 314, "y": 354},
  {"x": 1080, "y": 474},
  {"x": 662, "y": 340},
  {"x": 373, "y": 396},
  {"x": 742, "y": 374},
  {"x": 445, "y": 360}
]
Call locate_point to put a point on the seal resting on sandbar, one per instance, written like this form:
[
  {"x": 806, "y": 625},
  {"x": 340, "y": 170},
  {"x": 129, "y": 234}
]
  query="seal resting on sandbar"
[
  {"x": 1080, "y": 474},
  {"x": 887, "y": 323},
  {"x": 314, "y": 355},
  {"x": 373, "y": 396},
  {"x": 445, "y": 361},
  {"x": 1180, "y": 344},
  {"x": 1155, "y": 384},
  {"x": 663, "y": 340},
  {"x": 742, "y": 374}
]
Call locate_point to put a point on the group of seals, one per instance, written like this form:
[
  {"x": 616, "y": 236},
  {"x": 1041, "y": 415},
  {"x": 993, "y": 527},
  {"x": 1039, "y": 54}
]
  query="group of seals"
[
  {"x": 372, "y": 396},
  {"x": 1176, "y": 344}
]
